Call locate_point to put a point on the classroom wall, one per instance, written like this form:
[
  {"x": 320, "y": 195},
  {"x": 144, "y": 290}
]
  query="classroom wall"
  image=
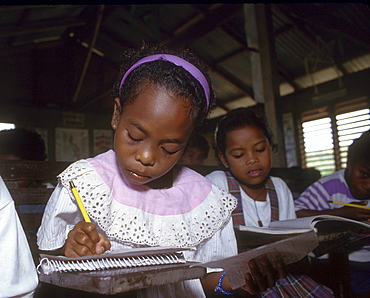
[
  {"x": 48, "y": 121},
  {"x": 37, "y": 91},
  {"x": 45, "y": 77}
]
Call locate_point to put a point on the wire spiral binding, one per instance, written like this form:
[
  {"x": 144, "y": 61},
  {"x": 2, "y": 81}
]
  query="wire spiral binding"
[{"x": 49, "y": 266}]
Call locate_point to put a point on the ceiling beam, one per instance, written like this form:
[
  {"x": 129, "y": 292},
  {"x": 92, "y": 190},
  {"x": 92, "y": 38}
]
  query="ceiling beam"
[
  {"x": 22, "y": 7},
  {"x": 244, "y": 45},
  {"x": 200, "y": 26},
  {"x": 30, "y": 46},
  {"x": 24, "y": 15},
  {"x": 88, "y": 56},
  {"x": 299, "y": 24},
  {"x": 7, "y": 31},
  {"x": 328, "y": 21},
  {"x": 135, "y": 23},
  {"x": 215, "y": 18}
]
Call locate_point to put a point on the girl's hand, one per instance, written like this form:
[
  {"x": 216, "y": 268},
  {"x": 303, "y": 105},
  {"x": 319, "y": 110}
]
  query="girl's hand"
[
  {"x": 85, "y": 240},
  {"x": 353, "y": 212},
  {"x": 258, "y": 281}
]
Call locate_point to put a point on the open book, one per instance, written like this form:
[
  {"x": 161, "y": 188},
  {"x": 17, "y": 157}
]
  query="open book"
[
  {"x": 327, "y": 227},
  {"x": 288, "y": 251},
  {"x": 321, "y": 223}
]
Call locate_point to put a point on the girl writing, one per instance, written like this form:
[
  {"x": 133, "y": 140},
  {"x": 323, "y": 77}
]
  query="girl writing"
[
  {"x": 134, "y": 194},
  {"x": 244, "y": 147}
]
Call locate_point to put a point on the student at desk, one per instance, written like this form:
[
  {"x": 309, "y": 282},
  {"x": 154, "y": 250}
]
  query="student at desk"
[
  {"x": 244, "y": 146},
  {"x": 350, "y": 185},
  {"x": 18, "y": 272},
  {"x": 134, "y": 195}
]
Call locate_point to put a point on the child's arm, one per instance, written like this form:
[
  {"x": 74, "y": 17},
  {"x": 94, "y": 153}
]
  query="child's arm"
[
  {"x": 85, "y": 240},
  {"x": 348, "y": 212},
  {"x": 255, "y": 281}
]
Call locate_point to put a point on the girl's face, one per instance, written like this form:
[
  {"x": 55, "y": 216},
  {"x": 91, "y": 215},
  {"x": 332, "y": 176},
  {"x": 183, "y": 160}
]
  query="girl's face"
[
  {"x": 151, "y": 133},
  {"x": 247, "y": 155}
]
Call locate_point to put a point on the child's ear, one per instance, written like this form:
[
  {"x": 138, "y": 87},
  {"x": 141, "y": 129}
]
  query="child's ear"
[
  {"x": 223, "y": 160},
  {"x": 116, "y": 113}
]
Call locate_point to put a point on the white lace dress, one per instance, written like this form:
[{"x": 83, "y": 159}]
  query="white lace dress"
[{"x": 191, "y": 213}]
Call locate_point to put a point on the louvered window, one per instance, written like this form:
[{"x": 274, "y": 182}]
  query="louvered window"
[
  {"x": 318, "y": 145},
  {"x": 327, "y": 133}
]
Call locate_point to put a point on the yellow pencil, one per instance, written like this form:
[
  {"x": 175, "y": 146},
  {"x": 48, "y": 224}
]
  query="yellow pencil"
[
  {"x": 79, "y": 202},
  {"x": 350, "y": 205}
]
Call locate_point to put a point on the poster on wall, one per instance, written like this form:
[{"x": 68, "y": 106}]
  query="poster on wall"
[
  {"x": 71, "y": 144},
  {"x": 73, "y": 119},
  {"x": 289, "y": 140},
  {"x": 103, "y": 140}
]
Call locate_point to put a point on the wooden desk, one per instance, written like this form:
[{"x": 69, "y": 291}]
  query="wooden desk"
[
  {"x": 109, "y": 282},
  {"x": 30, "y": 172}
]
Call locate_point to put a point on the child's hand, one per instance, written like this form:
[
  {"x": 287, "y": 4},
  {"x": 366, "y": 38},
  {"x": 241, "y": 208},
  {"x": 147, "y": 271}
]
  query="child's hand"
[
  {"x": 353, "y": 212},
  {"x": 258, "y": 281},
  {"x": 85, "y": 240}
]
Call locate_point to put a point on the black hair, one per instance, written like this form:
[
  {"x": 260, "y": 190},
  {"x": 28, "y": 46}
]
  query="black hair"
[
  {"x": 165, "y": 74},
  {"x": 359, "y": 150},
  {"x": 236, "y": 119},
  {"x": 24, "y": 143},
  {"x": 199, "y": 141}
]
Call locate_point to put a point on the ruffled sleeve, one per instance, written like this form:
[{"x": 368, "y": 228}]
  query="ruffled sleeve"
[{"x": 60, "y": 216}]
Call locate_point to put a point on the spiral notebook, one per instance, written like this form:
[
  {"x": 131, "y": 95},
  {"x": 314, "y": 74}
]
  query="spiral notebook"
[{"x": 128, "y": 258}]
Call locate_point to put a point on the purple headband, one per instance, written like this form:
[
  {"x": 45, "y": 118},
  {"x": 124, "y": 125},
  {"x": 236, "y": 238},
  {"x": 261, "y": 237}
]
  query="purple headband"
[{"x": 195, "y": 72}]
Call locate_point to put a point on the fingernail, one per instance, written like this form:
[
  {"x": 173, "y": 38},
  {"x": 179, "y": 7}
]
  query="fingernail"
[
  {"x": 252, "y": 264},
  {"x": 99, "y": 250},
  {"x": 263, "y": 262}
]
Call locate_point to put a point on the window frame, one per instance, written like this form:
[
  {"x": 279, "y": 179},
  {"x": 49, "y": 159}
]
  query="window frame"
[{"x": 330, "y": 111}]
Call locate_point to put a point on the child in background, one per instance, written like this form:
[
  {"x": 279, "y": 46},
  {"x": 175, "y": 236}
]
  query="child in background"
[
  {"x": 244, "y": 147},
  {"x": 196, "y": 151},
  {"x": 21, "y": 144},
  {"x": 134, "y": 195},
  {"x": 18, "y": 271},
  {"x": 350, "y": 185}
]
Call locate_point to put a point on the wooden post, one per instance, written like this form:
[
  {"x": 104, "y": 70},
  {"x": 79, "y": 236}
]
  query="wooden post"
[
  {"x": 89, "y": 52},
  {"x": 258, "y": 27}
]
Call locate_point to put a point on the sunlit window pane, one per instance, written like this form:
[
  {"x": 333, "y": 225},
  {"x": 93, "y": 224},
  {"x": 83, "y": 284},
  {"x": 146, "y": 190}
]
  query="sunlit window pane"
[
  {"x": 350, "y": 126},
  {"x": 318, "y": 145},
  {"x": 6, "y": 126}
]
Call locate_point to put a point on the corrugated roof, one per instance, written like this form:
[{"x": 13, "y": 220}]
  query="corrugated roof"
[{"x": 314, "y": 42}]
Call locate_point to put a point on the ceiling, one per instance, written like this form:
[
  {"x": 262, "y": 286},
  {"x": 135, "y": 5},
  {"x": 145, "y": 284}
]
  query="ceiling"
[{"x": 314, "y": 43}]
